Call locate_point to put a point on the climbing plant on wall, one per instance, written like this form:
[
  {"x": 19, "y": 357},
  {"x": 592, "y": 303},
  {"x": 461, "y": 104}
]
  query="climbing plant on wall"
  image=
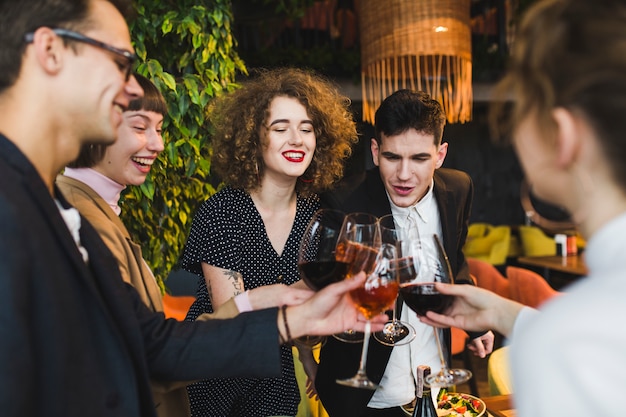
[{"x": 186, "y": 48}]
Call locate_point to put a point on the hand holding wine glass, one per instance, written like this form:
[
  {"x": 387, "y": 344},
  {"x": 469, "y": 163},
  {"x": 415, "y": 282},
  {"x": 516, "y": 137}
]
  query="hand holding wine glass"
[
  {"x": 372, "y": 298},
  {"x": 421, "y": 295}
]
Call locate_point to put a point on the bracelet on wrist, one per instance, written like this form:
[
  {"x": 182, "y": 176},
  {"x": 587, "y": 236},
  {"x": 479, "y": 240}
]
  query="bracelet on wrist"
[{"x": 287, "y": 339}]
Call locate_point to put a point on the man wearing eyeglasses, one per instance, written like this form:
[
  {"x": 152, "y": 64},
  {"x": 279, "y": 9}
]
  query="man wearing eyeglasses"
[{"x": 74, "y": 339}]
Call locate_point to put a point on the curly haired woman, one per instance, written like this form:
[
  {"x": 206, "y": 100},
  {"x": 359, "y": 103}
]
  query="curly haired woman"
[{"x": 279, "y": 140}]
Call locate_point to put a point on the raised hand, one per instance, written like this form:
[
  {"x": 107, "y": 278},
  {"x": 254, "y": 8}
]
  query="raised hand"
[
  {"x": 330, "y": 311},
  {"x": 482, "y": 345},
  {"x": 474, "y": 309}
]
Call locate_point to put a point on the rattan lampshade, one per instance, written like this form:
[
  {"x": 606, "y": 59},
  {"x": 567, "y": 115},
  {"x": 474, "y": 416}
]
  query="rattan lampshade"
[{"x": 417, "y": 44}]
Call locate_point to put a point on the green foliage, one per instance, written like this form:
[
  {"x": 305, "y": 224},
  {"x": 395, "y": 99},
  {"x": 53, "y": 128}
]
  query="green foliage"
[{"x": 186, "y": 48}]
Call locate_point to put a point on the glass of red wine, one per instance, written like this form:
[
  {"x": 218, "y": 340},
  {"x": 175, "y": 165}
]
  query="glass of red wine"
[
  {"x": 317, "y": 261},
  {"x": 421, "y": 295},
  {"x": 375, "y": 296},
  {"x": 357, "y": 246},
  {"x": 396, "y": 232}
]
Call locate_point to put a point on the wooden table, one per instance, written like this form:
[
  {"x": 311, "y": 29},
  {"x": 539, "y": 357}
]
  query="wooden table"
[
  {"x": 571, "y": 264},
  {"x": 499, "y": 406}
]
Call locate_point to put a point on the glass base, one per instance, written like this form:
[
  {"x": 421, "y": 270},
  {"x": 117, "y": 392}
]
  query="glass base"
[
  {"x": 349, "y": 336},
  {"x": 310, "y": 341},
  {"x": 395, "y": 334},
  {"x": 359, "y": 381},
  {"x": 448, "y": 378}
]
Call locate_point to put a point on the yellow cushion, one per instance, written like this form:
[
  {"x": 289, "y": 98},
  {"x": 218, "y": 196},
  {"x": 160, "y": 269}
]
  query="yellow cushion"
[
  {"x": 499, "y": 372},
  {"x": 535, "y": 242},
  {"x": 492, "y": 248}
]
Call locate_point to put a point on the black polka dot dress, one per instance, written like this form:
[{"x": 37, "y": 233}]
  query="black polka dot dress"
[{"x": 228, "y": 232}]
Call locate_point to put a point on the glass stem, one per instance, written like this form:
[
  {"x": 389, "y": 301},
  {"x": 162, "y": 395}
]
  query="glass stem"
[
  {"x": 393, "y": 311},
  {"x": 366, "y": 342},
  {"x": 444, "y": 366}
]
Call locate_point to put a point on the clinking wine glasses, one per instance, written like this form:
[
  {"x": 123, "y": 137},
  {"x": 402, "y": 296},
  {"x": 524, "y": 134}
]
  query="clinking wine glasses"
[
  {"x": 375, "y": 296},
  {"x": 397, "y": 233},
  {"x": 421, "y": 296},
  {"x": 357, "y": 246}
]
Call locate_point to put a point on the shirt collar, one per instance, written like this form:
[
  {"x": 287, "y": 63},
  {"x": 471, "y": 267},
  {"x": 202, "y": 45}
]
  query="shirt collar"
[
  {"x": 420, "y": 208},
  {"x": 106, "y": 188}
]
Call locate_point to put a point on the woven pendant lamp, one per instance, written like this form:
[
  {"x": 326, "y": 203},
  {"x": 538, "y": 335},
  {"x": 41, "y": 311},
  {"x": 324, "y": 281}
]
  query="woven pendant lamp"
[{"x": 417, "y": 44}]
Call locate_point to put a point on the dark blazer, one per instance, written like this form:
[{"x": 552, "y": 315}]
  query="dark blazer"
[
  {"x": 453, "y": 191},
  {"x": 77, "y": 341}
]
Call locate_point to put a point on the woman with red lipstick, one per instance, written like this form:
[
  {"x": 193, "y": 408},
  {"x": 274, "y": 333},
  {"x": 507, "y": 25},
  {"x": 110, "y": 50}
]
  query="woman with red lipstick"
[{"x": 279, "y": 140}]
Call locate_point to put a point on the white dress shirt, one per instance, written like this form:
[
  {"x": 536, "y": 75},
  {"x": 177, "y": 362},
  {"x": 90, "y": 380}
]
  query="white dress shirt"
[{"x": 398, "y": 380}]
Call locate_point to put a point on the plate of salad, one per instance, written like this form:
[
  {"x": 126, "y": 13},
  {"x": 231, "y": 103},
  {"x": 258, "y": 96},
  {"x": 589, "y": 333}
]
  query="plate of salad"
[{"x": 455, "y": 404}]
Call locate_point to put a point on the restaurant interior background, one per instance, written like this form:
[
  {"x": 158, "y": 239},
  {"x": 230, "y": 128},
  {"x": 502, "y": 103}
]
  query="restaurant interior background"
[
  {"x": 325, "y": 38},
  {"x": 323, "y": 35}
]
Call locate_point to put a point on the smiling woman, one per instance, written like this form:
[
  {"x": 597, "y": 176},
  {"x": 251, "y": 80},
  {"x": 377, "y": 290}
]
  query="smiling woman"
[{"x": 278, "y": 140}]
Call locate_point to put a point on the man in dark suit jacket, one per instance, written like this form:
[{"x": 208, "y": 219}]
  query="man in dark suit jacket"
[
  {"x": 74, "y": 339},
  {"x": 408, "y": 153}
]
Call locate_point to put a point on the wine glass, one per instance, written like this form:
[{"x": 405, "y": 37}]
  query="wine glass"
[
  {"x": 357, "y": 245},
  {"x": 375, "y": 296},
  {"x": 317, "y": 261},
  {"x": 397, "y": 332},
  {"x": 421, "y": 296}
]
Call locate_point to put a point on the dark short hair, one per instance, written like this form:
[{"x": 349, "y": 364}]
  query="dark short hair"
[
  {"x": 17, "y": 18},
  {"x": 407, "y": 109},
  {"x": 152, "y": 100}
]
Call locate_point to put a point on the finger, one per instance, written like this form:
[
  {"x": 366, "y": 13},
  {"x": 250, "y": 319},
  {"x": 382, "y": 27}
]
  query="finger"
[
  {"x": 439, "y": 320},
  {"x": 480, "y": 350},
  {"x": 448, "y": 288},
  {"x": 381, "y": 318},
  {"x": 489, "y": 345}
]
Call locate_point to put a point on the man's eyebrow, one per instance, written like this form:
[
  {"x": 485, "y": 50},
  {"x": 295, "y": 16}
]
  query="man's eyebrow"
[{"x": 415, "y": 155}]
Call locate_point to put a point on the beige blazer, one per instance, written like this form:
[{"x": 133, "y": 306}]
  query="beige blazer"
[
  {"x": 170, "y": 398},
  {"x": 134, "y": 269}
]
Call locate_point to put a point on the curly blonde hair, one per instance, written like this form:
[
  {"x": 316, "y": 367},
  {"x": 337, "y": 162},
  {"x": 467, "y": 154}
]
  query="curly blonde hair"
[{"x": 237, "y": 119}]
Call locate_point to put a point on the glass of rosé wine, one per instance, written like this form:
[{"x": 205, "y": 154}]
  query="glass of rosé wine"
[
  {"x": 376, "y": 295},
  {"x": 357, "y": 247}
]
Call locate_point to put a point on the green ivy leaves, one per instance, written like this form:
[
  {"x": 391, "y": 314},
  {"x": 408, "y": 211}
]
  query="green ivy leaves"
[{"x": 186, "y": 48}]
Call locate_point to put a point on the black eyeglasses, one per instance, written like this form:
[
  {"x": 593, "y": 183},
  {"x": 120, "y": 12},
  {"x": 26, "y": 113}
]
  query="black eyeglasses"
[{"x": 125, "y": 67}]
